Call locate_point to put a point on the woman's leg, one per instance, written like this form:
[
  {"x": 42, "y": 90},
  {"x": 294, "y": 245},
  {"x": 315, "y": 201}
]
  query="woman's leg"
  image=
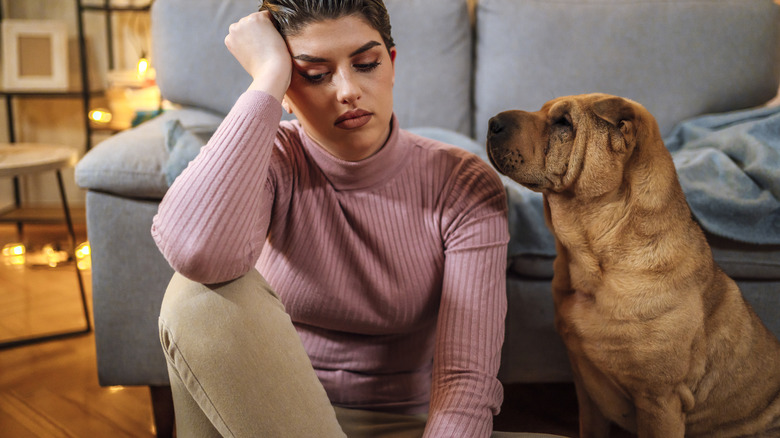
[
  {"x": 369, "y": 424},
  {"x": 359, "y": 423},
  {"x": 235, "y": 359}
]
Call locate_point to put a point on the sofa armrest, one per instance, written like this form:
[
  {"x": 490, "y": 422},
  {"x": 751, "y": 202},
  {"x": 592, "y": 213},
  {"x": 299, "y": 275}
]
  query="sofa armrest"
[{"x": 130, "y": 164}]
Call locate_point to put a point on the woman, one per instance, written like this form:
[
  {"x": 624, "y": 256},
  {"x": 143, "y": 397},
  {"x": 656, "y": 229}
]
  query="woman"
[{"x": 387, "y": 250}]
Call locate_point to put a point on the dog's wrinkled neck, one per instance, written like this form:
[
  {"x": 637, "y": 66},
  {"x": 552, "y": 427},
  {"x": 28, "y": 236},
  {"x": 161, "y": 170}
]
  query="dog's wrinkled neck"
[{"x": 646, "y": 207}]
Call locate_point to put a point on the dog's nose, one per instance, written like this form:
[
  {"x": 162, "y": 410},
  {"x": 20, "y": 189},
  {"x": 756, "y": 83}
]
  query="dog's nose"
[{"x": 495, "y": 126}]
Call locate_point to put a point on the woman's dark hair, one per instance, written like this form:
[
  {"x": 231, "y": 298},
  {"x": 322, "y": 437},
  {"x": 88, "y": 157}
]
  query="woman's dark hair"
[{"x": 291, "y": 16}]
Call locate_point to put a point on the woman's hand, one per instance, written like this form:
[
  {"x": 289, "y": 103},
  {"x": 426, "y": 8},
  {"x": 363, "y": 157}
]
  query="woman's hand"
[{"x": 261, "y": 50}]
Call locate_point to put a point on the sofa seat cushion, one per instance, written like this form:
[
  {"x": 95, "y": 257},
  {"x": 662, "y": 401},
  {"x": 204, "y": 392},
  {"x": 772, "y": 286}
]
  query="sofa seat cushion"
[
  {"x": 740, "y": 261},
  {"x": 131, "y": 163},
  {"x": 746, "y": 261}
]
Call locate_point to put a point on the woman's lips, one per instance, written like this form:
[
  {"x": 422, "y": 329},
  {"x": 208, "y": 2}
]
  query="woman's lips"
[{"x": 353, "y": 119}]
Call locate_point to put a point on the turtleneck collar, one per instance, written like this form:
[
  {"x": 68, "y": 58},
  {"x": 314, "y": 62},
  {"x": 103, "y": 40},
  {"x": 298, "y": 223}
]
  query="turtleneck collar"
[{"x": 363, "y": 174}]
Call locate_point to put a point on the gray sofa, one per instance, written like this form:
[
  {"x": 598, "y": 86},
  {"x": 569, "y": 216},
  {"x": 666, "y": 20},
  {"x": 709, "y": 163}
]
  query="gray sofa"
[{"x": 459, "y": 62}]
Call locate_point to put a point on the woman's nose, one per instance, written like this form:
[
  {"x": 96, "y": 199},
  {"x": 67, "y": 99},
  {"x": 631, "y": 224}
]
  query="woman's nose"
[{"x": 347, "y": 89}]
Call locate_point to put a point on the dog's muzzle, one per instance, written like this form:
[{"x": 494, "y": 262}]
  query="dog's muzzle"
[{"x": 502, "y": 155}]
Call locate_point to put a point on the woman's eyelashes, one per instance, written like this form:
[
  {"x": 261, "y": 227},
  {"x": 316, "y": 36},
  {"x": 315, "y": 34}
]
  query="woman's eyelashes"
[
  {"x": 314, "y": 79},
  {"x": 318, "y": 78},
  {"x": 365, "y": 68}
]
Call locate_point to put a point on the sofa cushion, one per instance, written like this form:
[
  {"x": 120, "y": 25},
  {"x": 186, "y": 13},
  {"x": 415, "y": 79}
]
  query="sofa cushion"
[
  {"x": 740, "y": 261},
  {"x": 183, "y": 144},
  {"x": 678, "y": 58},
  {"x": 744, "y": 260},
  {"x": 433, "y": 69},
  {"x": 433, "y": 66},
  {"x": 131, "y": 163},
  {"x": 194, "y": 68}
]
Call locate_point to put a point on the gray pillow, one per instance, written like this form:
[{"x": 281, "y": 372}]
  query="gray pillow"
[{"x": 183, "y": 144}]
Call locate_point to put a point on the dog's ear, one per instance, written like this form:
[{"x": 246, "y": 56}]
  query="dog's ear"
[{"x": 619, "y": 113}]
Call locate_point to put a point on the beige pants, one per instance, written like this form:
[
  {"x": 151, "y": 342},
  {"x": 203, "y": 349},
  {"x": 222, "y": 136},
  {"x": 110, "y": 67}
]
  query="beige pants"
[{"x": 237, "y": 368}]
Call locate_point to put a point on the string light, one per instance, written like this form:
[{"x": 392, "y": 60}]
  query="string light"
[
  {"x": 14, "y": 254},
  {"x": 83, "y": 257},
  {"x": 143, "y": 66},
  {"x": 100, "y": 116}
]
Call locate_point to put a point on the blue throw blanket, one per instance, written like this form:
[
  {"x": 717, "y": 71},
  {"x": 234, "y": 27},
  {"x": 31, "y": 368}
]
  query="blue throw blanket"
[{"x": 729, "y": 169}]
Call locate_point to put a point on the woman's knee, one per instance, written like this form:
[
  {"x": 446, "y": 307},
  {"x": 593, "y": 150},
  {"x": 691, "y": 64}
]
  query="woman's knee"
[
  {"x": 202, "y": 312},
  {"x": 187, "y": 301}
]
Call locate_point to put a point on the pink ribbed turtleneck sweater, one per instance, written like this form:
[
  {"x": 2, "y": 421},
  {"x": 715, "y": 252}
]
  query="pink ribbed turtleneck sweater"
[{"x": 392, "y": 268}]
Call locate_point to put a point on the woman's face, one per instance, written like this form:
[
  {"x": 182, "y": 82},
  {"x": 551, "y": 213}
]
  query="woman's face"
[{"x": 342, "y": 86}]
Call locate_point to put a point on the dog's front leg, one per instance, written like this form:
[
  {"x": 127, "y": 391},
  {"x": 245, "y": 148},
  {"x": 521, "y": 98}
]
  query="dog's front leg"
[
  {"x": 660, "y": 417},
  {"x": 593, "y": 423}
]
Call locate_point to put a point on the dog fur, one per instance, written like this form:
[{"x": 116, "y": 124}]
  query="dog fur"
[{"x": 661, "y": 341}]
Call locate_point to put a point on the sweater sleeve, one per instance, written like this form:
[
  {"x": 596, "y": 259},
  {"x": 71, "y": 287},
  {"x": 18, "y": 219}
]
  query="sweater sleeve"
[
  {"x": 466, "y": 393},
  {"x": 212, "y": 222}
]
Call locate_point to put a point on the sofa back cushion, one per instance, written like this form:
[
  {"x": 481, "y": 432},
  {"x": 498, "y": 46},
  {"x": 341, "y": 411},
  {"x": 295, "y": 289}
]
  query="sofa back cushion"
[
  {"x": 433, "y": 66},
  {"x": 678, "y": 58}
]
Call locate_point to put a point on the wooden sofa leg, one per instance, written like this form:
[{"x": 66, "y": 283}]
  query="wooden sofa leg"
[{"x": 162, "y": 407}]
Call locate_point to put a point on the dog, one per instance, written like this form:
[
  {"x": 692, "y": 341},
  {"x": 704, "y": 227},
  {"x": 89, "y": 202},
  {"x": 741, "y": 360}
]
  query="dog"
[{"x": 660, "y": 340}]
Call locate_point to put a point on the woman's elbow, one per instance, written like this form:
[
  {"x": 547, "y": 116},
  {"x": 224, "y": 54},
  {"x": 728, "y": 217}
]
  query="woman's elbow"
[{"x": 203, "y": 262}]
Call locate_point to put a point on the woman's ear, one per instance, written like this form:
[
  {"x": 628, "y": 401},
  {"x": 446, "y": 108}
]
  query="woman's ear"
[{"x": 286, "y": 105}]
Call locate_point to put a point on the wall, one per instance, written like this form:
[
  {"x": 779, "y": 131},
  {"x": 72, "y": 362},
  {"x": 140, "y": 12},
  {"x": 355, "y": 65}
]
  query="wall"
[{"x": 61, "y": 120}]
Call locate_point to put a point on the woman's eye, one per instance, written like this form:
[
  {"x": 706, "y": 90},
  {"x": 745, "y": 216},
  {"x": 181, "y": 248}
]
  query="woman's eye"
[
  {"x": 365, "y": 68},
  {"x": 321, "y": 77},
  {"x": 314, "y": 79}
]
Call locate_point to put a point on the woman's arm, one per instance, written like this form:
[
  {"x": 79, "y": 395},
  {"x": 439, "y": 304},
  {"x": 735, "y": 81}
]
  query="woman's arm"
[
  {"x": 211, "y": 224},
  {"x": 466, "y": 393}
]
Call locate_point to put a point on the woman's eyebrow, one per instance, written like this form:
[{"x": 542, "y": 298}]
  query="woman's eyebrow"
[
  {"x": 315, "y": 59},
  {"x": 308, "y": 58},
  {"x": 365, "y": 47}
]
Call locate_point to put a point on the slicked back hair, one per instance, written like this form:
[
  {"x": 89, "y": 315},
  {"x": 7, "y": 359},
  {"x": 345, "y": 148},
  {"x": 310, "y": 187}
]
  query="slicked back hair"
[{"x": 291, "y": 16}]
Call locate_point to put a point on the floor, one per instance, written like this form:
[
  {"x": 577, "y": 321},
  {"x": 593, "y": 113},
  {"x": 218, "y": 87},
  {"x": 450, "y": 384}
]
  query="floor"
[{"x": 51, "y": 389}]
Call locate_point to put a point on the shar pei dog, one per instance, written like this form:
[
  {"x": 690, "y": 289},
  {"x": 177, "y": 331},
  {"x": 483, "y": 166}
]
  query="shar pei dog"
[{"x": 661, "y": 341}]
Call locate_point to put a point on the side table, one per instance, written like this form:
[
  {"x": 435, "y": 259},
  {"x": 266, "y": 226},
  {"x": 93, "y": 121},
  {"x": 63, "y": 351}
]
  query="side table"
[{"x": 17, "y": 159}]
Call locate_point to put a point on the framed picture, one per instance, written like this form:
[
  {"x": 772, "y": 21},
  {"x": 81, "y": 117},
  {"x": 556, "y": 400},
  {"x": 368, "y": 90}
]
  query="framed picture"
[{"x": 35, "y": 55}]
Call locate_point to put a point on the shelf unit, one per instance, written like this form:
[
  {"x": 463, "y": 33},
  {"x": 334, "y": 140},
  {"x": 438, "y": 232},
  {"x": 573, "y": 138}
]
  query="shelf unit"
[{"x": 85, "y": 93}]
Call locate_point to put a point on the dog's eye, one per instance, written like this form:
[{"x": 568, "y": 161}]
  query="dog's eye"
[{"x": 564, "y": 121}]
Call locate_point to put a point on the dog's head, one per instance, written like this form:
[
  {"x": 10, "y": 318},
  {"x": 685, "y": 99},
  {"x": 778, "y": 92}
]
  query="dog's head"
[{"x": 574, "y": 143}]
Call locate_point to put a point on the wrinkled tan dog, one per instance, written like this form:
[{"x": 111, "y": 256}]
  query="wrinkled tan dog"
[{"x": 660, "y": 340}]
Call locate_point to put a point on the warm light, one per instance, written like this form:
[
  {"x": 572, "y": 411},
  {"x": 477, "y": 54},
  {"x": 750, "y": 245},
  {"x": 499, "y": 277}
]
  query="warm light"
[
  {"x": 52, "y": 257},
  {"x": 14, "y": 254},
  {"x": 83, "y": 259},
  {"x": 143, "y": 65},
  {"x": 13, "y": 249},
  {"x": 102, "y": 116}
]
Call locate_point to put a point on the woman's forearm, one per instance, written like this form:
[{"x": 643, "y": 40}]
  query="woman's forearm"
[{"x": 211, "y": 224}]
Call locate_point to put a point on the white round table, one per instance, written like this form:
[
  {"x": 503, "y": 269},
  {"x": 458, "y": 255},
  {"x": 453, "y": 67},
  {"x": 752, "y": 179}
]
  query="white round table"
[
  {"x": 17, "y": 159},
  {"x": 25, "y": 158}
]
